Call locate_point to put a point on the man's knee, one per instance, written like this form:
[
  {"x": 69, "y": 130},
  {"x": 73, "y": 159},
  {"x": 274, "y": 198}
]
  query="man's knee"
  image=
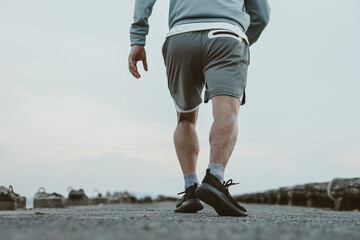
[
  {"x": 225, "y": 108},
  {"x": 226, "y": 119},
  {"x": 187, "y": 118}
]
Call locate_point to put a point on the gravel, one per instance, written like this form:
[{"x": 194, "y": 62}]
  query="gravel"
[{"x": 158, "y": 221}]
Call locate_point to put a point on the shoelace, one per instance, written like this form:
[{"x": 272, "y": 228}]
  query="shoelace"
[
  {"x": 229, "y": 183},
  {"x": 181, "y": 197}
]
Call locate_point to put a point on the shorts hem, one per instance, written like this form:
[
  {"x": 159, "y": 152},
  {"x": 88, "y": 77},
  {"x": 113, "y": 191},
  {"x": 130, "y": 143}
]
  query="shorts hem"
[
  {"x": 185, "y": 111},
  {"x": 236, "y": 95}
]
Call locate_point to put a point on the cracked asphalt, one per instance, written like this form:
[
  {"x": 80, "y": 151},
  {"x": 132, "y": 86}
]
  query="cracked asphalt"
[{"x": 158, "y": 221}]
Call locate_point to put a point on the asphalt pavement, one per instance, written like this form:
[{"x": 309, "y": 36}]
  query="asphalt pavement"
[{"x": 158, "y": 221}]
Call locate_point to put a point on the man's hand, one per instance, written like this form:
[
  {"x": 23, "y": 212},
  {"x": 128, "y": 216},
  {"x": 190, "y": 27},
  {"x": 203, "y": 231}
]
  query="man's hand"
[{"x": 137, "y": 53}]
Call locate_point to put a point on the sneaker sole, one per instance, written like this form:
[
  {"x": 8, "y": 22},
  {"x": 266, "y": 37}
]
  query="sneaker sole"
[
  {"x": 218, "y": 200},
  {"x": 190, "y": 206}
]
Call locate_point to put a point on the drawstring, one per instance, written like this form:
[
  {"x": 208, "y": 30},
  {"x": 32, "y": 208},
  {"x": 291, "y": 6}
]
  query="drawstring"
[{"x": 229, "y": 183}]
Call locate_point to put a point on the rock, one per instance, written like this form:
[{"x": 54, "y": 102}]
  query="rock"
[
  {"x": 271, "y": 196},
  {"x": 340, "y": 194},
  {"x": 316, "y": 195},
  {"x": 146, "y": 199},
  {"x": 9, "y": 200},
  {"x": 162, "y": 198},
  {"x": 283, "y": 196},
  {"x": 245, "y": 198},
  {"x": 122, "y": 197},
  {"x": 48, "y": 200},
  {"x": 345, "y": 193},
  {"x": 99, "y": 199},
  {"x": 77, "y": 198},
  {"x": 297, "y": 196}
]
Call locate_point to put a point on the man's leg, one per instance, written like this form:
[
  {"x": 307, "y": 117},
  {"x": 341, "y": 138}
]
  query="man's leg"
[
  {"x": 186, "y": 141},
  {"x": 224, "y": 131},
  {"x": 187, "y": 149},
  {"x": 223, "y": 135},
  {"x": 230, "y": 81}
]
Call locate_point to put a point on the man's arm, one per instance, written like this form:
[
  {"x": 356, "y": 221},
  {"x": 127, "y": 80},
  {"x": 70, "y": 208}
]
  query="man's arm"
[
  {"x": 259, "y": 11},
  {"x": 140, "y": 28},
  {"x": 138, "y": 31}
]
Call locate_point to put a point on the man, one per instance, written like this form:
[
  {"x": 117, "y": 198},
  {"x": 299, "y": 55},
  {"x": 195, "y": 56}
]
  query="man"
[{"x": 207, "y": 45}]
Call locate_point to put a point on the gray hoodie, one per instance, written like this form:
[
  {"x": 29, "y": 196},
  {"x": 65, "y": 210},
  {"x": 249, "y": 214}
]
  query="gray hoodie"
[{"x": 251, "y": 16}]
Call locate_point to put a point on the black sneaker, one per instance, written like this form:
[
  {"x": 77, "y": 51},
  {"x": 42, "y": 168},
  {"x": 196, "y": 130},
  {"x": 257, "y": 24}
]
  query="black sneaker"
[
  {"x": 189, "y": 203},
  {"x": 214, "y": 193}
]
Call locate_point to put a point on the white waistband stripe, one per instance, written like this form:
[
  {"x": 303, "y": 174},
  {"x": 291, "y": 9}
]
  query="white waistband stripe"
[{"x": 190, "y": 27}]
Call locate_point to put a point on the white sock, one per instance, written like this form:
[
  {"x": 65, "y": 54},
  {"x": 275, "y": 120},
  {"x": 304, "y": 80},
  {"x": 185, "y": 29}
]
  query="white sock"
[
  {"x": 217, "y": 170},
  {"x": 190, "y": 180}
]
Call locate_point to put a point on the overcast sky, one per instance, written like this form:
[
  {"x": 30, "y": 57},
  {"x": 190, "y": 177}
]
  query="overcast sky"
[{"x": 72, "y": 115}]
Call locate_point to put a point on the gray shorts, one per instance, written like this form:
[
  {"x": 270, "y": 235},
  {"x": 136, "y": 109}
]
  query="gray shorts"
[{"x": 217, "y": 59}]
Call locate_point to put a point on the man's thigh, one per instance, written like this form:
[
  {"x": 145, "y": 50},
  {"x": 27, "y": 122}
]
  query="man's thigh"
[
  {"x": 226, "y": 64},
  {"x": 184, "y": 67}
]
